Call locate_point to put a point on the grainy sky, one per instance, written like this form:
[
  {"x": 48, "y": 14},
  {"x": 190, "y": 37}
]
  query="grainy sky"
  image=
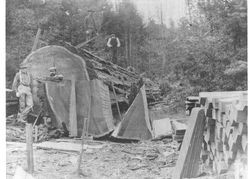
[{"x": 171, "y": 9}]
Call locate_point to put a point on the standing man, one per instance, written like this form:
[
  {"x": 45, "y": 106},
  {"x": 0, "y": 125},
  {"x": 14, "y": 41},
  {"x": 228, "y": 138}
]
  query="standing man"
[
  {"x": 114, "y": 43},
  {"x": 89, "y": 25},
  {"x": 22, "y": 86}
]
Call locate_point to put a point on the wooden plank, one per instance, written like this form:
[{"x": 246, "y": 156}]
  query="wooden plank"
[
  {"x": 225, "y": 101},
  {"x": 212, "y": 148},
  {"x": 215, "y": 102},
  {"x": 72, "y": 110},
  {"x": 209, "y": 110},
  {"x": 219, "y": 117},
  {"x": 234, "y": 142},
  {"x": 29, "y": 148},
  {"x": 36, "y": 133},
  {"x": 84, "y": 134},
  {"x": 210, "y": 121},
  {"x": 229, "y": 129},
  {"x": 215, "y": 114},
  {"x": 219, "y": 146},
  {"x": 206, "y": 135},
  {"x": 239, "y": 116},
  {"x": 212, "y": 134},
  {"x": 222, "y": 94},
  {"x": 219, "y": 130},
  {"x": 242, "y": 128},
  {"x": 188, "y": 161},
  {"x": 66, "y": 146},
  {"x": 222, "y": 176},
  {"x": 179, "y": 128},
  {"x": 224, "y": 120},
  {"x": 244, "y": 142},
  {"x": 224, "y": 137},
  {"x": 162, "y": 127}
]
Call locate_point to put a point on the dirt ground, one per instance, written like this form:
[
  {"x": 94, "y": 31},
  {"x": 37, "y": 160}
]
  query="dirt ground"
[
  {"x": 151, "y": 159},
  {"x": 144, "y": 159}
]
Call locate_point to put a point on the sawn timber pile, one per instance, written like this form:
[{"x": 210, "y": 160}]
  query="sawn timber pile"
[{"x": 225, "y": 145}]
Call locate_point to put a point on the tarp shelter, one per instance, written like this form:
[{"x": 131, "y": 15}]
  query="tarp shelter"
[
  {"x": 70, "y": 99},
  {"x": 135, "y": 124}
]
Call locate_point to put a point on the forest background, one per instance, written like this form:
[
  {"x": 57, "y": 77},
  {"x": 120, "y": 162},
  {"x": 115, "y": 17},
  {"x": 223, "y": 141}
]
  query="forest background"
[{"x": 206, "y": 51}]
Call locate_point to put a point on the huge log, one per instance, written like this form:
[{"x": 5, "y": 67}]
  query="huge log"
[{"x": 188, "y": 161}]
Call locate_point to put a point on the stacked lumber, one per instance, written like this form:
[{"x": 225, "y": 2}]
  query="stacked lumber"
[
  {"x": 190, "y": 103},
  {"x": 179, "y": 130},
  {"x": 225, "y": 133}
]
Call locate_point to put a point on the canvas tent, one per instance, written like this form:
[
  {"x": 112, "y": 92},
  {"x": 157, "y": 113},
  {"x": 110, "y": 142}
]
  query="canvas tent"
[
  {"x": 135, "y": 124},
  {"x": 70, "y": 99}
]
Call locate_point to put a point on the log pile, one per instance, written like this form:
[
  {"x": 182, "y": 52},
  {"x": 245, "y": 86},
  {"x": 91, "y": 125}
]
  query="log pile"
[
  {"x": 225, "y": 135},
  {"x": 113, "y": 75}
]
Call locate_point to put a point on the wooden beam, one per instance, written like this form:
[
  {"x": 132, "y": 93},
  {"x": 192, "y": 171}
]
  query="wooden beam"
[
  {"x": 84, "y": 134},
  {"x": 72, "y": 110},
  {"x": 188, "y": 161},
  {"x": 36, "y": 133}
]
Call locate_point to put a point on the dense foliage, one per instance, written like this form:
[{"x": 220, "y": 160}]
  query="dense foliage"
[{"x": 205, "y": 53}]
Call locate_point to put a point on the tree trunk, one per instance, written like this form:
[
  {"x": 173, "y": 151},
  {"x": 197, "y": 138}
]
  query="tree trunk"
[
  {"x": 130, "y": 51},
  {"x": 36, "y": 40},
  {"x": 126, "y": 49}
]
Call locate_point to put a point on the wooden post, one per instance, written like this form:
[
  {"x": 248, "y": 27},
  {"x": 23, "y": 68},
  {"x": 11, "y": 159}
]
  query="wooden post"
[
  {"x": 36, "y": 133},
  {"x": 84, "y": 133},
  {"x": 72, "y": 110},
  {"x": 29, "y": 148}
]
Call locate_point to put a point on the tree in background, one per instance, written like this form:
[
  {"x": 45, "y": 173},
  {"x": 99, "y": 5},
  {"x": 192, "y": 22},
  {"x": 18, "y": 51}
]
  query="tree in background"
[{"x": 207, "y": 52}]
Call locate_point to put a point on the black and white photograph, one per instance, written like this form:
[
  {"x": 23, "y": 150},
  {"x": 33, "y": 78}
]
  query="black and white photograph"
[{"x": 125, "y": 89}]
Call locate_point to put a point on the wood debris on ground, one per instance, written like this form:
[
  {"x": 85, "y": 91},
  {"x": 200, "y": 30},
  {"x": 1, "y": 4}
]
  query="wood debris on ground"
[{"x": 112, "y": 160}]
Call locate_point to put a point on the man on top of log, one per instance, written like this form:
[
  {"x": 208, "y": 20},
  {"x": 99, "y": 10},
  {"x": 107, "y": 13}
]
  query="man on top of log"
[
  {"x": 114, "y": 43},
  {"x": 22, "y": 86}
]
